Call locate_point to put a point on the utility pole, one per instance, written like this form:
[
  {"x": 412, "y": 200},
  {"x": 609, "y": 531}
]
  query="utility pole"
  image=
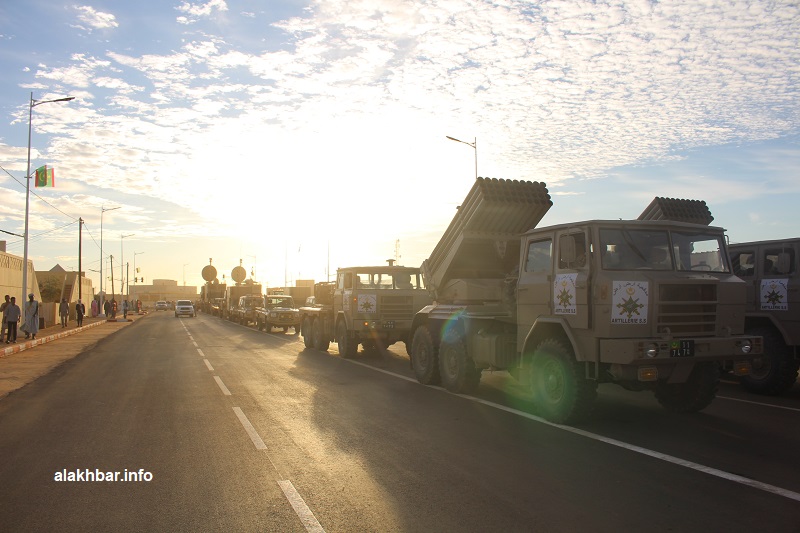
[
  {"x": 112, "y": 276},
  {"x": 80, "y": 255}
]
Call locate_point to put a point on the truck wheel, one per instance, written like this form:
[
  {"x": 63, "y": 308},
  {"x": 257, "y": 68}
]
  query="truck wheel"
[
  {"x": 296, "y": 329},
  {"x": 694, "y": 395},
  {"x": 425, "y": 357},
  {"x": 560, "y": 392},
  {"x": 347, "y": 345},
  {"x": 285, "y": 329},
  {"x": 776, "y": 370},
  {"x": 259, "y": 325},
  {"x": 307, "y": 340},
  {"x": 320, "y": 342},
  {"x": 457, "y": 371}
]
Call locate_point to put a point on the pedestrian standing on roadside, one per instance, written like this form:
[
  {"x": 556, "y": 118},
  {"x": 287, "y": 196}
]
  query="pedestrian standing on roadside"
[
  {"x": 3, "y": 308},
  {"x": 125, "y": 309},
  {"x": 80, "y": 310},
  {"x": 113, "y": 308},
  {"x": 13, "y": 314},
  {"x": 31, "y": 326},
  {"x": 106, "y": 308},
  {"x": 63, "y": 312}
]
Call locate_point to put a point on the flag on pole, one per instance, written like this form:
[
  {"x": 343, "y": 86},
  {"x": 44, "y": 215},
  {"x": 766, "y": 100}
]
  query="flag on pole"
[{"x": 45, "y": 177}]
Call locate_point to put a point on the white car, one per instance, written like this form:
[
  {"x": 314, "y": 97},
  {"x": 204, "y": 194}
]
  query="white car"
[
  {"x": 162, "y": 306},
  {"x": 184, "y": 308}
]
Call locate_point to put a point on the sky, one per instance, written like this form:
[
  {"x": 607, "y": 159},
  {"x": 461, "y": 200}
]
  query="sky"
[{"x": 296, "y": 137}]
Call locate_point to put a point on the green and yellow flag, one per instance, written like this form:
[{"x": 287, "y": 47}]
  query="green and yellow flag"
[{"x": 45, "y": 177}]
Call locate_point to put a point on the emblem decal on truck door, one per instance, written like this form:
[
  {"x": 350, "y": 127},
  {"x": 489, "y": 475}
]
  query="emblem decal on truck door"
[
  {"x": 564, "y": 294},
  {"x": 774, "y": 294},
  {"x": 367, "y": 303}
]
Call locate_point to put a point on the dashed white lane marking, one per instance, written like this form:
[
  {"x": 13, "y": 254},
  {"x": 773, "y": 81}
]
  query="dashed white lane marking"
[
  {"x": 201, "y": 352},
  {"x": 300, "y": 507},
  {"x": 222, "y": 386},
  {"x": 613, "y": 442},
  {"x": 208, "y": 365},
  {"x": 195, "y": 344},
  {"x": 759, "y": 403},
  {"x": 251, "y": 431}
]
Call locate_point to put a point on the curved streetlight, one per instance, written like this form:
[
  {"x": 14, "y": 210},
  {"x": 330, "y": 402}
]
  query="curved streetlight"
[
  {"x": 33, "y": 103},
  {"x": 103, "y": 210},
  {"x": 474, "y": 146}
]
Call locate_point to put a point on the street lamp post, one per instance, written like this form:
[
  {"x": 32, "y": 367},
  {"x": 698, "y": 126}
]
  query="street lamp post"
[
  {"x": 474, "y": 145},
  {"x": 102, "y": 259},
  {"x": 33, "y": 103},
  {"x": 122, "y": 263}
]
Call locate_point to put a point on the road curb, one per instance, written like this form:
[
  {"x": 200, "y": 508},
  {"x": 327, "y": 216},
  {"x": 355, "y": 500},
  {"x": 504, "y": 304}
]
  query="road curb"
[{"x": 35, "y": 342}]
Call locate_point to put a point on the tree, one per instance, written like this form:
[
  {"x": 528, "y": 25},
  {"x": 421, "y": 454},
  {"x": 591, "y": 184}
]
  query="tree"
[{"x": 50, "y": 289}]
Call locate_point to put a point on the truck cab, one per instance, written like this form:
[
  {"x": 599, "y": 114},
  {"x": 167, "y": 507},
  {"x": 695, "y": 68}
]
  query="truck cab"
[{"x": 770, "y": 272}]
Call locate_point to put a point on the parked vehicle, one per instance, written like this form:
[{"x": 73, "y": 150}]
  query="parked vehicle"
[
  {"x": 372, "y": 306},
  {"x": 769, "y": 268},
  {"x": 278, "y": 311},
  {"x": 245, "y": 310},
  {"x": 647, "y": 304}
]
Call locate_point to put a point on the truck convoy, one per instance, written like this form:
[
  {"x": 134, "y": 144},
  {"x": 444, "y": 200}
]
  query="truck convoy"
[
  {"x": 372, "y": 306},
  {"x": 769, "y": 268},
  {"x": 233, "y": 293},
  {"x": 647, "y": 304}
]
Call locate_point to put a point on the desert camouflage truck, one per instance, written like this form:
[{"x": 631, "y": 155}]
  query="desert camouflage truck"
[
  {"x": 212, "y": 288},
  {"x": 233, "y": 293},
  {"x": 647, "y": 304},
  {"x": 280, "y": 312},
  {"x": 372, "y": 306},
  {"x": 769, "y": 268}
]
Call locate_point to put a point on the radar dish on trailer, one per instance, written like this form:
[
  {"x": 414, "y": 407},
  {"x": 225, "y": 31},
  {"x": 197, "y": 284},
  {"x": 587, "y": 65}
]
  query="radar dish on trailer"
[
  {"x": 209, "y": 273},
  {"x": 238, "y": 274}
]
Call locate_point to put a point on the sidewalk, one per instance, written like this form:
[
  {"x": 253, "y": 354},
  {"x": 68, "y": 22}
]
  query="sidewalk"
[{"x": 27, "y": 359}]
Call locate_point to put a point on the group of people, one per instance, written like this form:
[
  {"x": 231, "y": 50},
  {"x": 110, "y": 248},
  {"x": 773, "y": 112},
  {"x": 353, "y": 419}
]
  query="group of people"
[{"x": 12, "y": 315}]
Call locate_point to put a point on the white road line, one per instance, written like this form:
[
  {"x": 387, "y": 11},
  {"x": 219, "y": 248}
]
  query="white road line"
[
  {"x": 195, "y": 344},
  {"x": 251, "y": 431},
  {"x": 759, "y": 403},
  {"x": 613, "y": 442},
  {"x": 201, "y": 352},
  {"x": 300, "y": 507},
  {"x": 208, "y": 365},
  {"x": 222, "y": 386},
  {"x": 190, "y": 336}
]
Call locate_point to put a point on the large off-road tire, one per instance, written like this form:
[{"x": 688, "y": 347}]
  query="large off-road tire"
[
  {"x": 692, "y": 396},
  {"x": 456, "y": 369},
  {"x": 259, "y": 325},
  {"x": 776, "y": 370},
  {"x": 425, "y": 357},
  {"x": 318, "y": 334},
  {"x": 307, "y": 337},
  {"x": 559, "y": 389},
  {"x": 348, "y": 347},
  {"x": 285, "y": 329}
]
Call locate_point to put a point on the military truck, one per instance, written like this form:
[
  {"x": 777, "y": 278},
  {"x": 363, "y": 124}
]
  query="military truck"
[
  {"x": 278, "y": 311},
  {"x": 212, "y": 289},
  {"x": 769, "y": 268},
  {"x": 234, "y": 292},
  {"x": 372, "y": 306},
  {"x": 647, "y": 304},
  {"x": 246, "y": 309}
]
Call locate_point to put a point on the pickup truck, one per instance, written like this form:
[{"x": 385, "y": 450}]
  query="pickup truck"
[
  {"x": 245, "y": 311},
  {"x": 279, "y": 311}
]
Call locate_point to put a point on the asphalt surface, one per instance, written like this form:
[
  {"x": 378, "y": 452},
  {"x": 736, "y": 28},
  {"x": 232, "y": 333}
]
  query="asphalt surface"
[{"x": 248, "y": 431}]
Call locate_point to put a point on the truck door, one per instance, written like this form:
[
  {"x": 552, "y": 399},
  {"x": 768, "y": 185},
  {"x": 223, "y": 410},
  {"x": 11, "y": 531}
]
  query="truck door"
[
  {"x": 535, "y": 284},
  {"x": 571, "y": 278}
]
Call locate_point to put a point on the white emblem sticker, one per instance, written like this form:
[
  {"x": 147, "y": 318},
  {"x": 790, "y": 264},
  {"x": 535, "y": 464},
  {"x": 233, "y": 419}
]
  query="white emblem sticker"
[
  {"x": 564, "y": 294},
  {"x": 367, "y": 303},
  {"x": 774, "y": 295},
  {"x": 629, "y": 302}
]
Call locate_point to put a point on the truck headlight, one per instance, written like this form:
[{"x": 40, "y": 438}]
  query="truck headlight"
[
  {"x": 651, "y": 350},
  {"x": 745, "y": 346}
]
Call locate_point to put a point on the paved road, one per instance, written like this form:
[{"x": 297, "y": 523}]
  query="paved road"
[{"x": 243, "y": 430}]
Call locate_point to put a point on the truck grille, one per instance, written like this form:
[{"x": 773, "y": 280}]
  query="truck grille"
[
  {"x": 687, "y": 310},
  {"x": 396, "y": 307}
]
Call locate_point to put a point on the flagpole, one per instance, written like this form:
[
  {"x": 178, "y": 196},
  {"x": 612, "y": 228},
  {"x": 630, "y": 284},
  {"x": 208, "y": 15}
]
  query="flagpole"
[{"x": 33, "y": 103}]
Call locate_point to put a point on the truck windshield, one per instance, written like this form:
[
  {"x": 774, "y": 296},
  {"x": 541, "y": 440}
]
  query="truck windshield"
[
  {"x": 389, "y": 280},
  {"x": 699, "y": 251},
  {"x": 282, "y": 301},
  {"x": 623, "y": 249}
]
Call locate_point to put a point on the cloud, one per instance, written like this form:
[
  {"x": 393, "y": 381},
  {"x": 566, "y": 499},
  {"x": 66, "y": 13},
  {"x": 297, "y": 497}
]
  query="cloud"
[
  {"x": 196, "y": 11},
  {"x": 92, "y": 19}
]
